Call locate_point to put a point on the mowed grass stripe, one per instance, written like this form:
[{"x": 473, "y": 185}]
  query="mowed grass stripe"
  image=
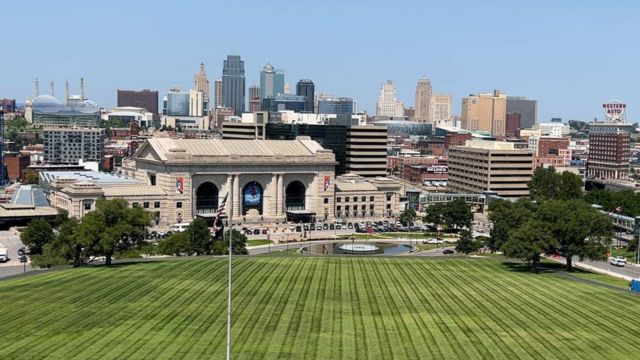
[
  {"x": 191, "y": 305},
  {"x": 151, "y": 323},
  {"x": 214, "y": 333},
  {"x": 514, "y": 326},
  {"x": 106, "y": 290},
  {"x": 316, "y": 307},
  {"x": 448, "y": 346},
  {"x": 261, "y": 316},
  {"x": 536, "y": 296},
  {"x": 391, "y": 309},
  {"x": 414, "y": 306}
]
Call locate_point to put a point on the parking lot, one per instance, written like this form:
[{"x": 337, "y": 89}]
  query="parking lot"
[{"x": 12, "y": 242}]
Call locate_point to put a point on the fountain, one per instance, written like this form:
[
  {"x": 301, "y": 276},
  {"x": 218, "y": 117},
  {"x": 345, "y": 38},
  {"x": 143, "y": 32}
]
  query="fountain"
[{"x": 359, "y": 248}]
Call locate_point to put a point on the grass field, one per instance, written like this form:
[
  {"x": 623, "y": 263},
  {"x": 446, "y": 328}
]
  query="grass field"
[
  {"x": 315, "y": 307},
  {"x": 258, "y": 242}
]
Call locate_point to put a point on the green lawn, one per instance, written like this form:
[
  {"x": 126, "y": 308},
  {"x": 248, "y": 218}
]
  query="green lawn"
[
  {"x": 315, "y": 307},
  {"x": 258, "y": 242}
]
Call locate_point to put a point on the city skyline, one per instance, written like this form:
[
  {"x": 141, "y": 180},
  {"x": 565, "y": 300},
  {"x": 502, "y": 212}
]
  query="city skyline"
[{"x": 552, "y": 52}]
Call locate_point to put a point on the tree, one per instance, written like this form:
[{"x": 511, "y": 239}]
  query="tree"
[
  {"x": 199, "y": 237},
  {"x": 466, "y": 244},
  {"x": 571, "y": 186},
  {"x": 458, "y": 214},
  {"x": 36, "y": 235},
  {"x": 506, "y": 216},
  {"x": 579, "y": 229},
  {"x": 544, "y": 184},
  {"x": 435, "y": 214},
  {"x": 177, "y": 244},
  {"x": 547, "y": 184},
  {"x": 238, "y": 243},
  {"x": 529, "y": 241},
  {"x": 32, "y": 177},
  {"x": 407, "y": 216},
  {"x": 112, "y": 227}
]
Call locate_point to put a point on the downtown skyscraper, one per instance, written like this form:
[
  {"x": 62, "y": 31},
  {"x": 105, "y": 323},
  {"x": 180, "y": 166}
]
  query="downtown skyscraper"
[
  {"x": 233, "y": 84},
  {"x": 424, "y": 110},
  {"x": 388, "y": 105},
  {"x": 201, "y": 83},
  {"x": 306, "y": 88},
  {"x": 271, "y": 82}
]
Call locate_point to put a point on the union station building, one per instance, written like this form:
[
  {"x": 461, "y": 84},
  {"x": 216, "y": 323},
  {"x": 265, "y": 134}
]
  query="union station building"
[{"x": 266, "y": 180}]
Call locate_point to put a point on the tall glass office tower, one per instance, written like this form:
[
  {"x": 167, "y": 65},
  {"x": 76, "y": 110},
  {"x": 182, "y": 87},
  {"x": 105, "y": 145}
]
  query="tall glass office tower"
[{"x": 233, "y": 84}]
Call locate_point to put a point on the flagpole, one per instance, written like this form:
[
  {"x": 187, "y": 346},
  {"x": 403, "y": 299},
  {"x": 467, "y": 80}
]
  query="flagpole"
[{"x": 230, "y": 236}]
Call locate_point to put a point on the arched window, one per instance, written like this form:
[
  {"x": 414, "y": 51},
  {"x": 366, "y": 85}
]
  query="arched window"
[
  {"x": 206, "y": 198},
  {"x": 294, "y": 196},
  {"x": 252, "y": 197}
]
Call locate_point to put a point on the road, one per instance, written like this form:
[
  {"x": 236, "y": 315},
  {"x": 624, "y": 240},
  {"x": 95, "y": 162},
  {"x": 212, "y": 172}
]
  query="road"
[
  {"x": 628, "y": 270},
  {"x": 12, "y": 243}
]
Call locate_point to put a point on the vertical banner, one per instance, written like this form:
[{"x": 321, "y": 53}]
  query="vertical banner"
[
  {"x": 180, "y": 185},
  {"x": 326, "y": 182}
]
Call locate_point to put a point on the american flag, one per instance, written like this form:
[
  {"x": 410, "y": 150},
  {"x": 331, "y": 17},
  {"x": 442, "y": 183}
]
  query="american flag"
[{"x": 217, "y": 225}]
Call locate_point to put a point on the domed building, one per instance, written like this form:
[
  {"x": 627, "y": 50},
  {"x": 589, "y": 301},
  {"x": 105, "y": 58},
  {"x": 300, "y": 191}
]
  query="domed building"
[{"x": 49, "y": 111}]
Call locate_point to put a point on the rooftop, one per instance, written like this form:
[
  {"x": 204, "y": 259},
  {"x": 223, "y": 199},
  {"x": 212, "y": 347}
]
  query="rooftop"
[{"x": 99, "y": 178}]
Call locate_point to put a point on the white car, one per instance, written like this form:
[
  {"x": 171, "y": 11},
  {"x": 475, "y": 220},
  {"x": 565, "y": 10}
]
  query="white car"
[{"x": 618, "y": 261}]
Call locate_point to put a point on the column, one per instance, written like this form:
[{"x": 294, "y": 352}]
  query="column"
[
  {"x": 236, "y": 196},
  {"x": 274, "y": 186},
  {"x": 281, "y": 195}
]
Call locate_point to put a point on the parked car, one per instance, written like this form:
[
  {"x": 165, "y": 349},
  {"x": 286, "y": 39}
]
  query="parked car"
[
  {"x": 448, "y": 252},
  {"x": 23, "y": 258},
  {"x": 338, "y": 227},
  {"x": 256, "y": 232},
  {"x": 312, "y": 226},
  {"x": 325, "y": 226},
  {"x": 618, "y": 261},
  {"x": 332, "y": 226},
  {"x": 350, "y": 226},
  {"x": 265, "y": 231},
  {"x": 432, "y": 241},
  {"x": 21, "y": 252}
]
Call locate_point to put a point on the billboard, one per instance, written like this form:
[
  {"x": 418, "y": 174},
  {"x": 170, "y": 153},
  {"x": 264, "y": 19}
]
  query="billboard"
[
  {"x": 252, "y": 195},
  {"x": 614, "y": 109},
  {"x": 326, "y": 182},
  {"x": 180, "y": 185}
]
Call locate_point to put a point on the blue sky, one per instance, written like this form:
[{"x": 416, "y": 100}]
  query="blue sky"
[{"x": 569, "y": 55}]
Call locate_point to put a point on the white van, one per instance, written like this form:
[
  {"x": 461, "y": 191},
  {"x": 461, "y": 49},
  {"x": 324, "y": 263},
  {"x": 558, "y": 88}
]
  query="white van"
[{"x": 181, "y": 227}]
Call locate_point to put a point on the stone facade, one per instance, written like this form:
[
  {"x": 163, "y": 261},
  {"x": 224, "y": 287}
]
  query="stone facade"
[{"x": 266, "y": 180}]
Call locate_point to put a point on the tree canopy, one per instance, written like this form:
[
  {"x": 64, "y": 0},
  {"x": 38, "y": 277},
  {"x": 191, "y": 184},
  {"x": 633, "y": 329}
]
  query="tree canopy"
[
  {"x": 547, "y": 184},
  {"x": 407, "y": 216},
  {"x": 454, "y": 214},
  {"x": 36, "y": 235}
]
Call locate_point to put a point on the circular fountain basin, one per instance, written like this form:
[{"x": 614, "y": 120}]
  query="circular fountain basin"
[{"x": 358, "y": 248}]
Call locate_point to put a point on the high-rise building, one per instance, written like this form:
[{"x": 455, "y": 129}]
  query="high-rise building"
[
  {"x": 306, "y": 88},
  {"x": 513, "y": 124},
  {"x": 284, "y": 102},
  {"x": 202, "y": 84},
  {"x": 271, "y": 82},
  {"x": 233, "y": 84},
  {"x": 485, "y": 112},
  {"x": 70, "y": 145},
  {"x": 528, "y": 110},
  {"x": 339, "y": 106},
  {"x": 145, "y": 99},
  {"x": 217, "y": 92},
  {"x": 609, "y": 150},
  {"x": 176, "y": 103},
  {"x": 254, "y": 98},
  {"x": 388, "y": 105},
  {"x": 197, "y": 103},
  {"x": 423, "y": 106},
  {"x": 360, "y": 150},
  {"x": 441, "y": 105},
  {"x": 8, "y": 105},
  {"x": 483, "y": 165}
]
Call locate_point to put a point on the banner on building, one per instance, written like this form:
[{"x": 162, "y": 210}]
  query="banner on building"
[
  {"x": 326, "y": 182},
  {"x": 180, "y": 185}
]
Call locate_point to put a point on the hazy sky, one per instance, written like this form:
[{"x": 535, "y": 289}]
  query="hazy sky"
[{"x": 570, "y": 55}]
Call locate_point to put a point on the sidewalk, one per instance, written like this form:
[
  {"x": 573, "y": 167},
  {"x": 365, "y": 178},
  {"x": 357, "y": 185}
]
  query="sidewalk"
[{"x": 591, "y": 268}]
